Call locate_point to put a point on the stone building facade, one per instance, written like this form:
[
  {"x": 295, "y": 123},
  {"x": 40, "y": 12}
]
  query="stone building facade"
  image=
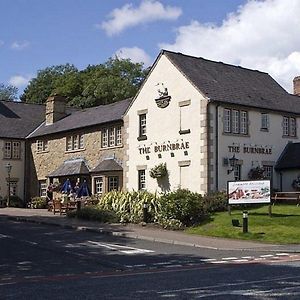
[{"x": 78, "y": 145}]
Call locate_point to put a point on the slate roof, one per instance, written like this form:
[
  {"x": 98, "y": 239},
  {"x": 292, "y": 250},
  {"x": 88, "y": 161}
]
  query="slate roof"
[
  {"x": 233, "y": 84},
  {"x": 71, "y": 167},
  {"x": 18, "y": 119},
  {"x": 85, "y": 118},
  {"x": 107, "y": 165},
  {"x": 290, "y": 158}
]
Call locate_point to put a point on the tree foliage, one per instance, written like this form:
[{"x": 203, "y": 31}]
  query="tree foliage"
[
  {"x": 8, "y": 92},
  {"x": 115, "y": 80}
]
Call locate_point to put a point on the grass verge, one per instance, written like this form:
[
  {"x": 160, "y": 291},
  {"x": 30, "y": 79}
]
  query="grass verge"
[{"x": 282, "y": 228}]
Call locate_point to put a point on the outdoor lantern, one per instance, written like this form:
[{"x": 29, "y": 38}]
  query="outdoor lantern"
[
  {"x": 232, "y": 162},
  {"x": 8, "y": 167}
]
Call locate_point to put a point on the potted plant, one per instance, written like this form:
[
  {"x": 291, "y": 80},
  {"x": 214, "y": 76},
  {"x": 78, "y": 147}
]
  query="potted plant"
[{"x": 257, "y": 173}]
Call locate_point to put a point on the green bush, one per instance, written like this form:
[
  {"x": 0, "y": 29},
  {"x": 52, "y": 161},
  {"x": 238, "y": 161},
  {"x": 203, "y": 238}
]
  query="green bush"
[
  {"x": 182, "y": 205},
  {"x": 94, "y": 214},
  {"x": 38, "y": 202},
  {"x": 129, "y": 205},
  {"x": 15, "y": 201},
  {"x": 215, "y": 201}
]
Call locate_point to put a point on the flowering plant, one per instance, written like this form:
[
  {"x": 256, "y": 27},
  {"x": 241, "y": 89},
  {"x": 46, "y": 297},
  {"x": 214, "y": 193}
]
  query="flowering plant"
[
  {"x": 257, "y": 173},
  {"x": 159, "y": 171},
  {"x": 296, "y": 183}
]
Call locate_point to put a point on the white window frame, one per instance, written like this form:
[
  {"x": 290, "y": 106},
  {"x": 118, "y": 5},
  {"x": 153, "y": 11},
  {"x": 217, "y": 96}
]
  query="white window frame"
[
  {"x": 268, "y": 171},
  {"x": 142, "y": 125},
  {"x": 111, "y": 137},
  {"x": 119, "y": 136},
  {"x": 99, "y": 185},
  {"x": 235, "y": 121},
  {"x": 43, "y": 188},
  {"x": 227, "y": 120},
  {"x": 265, "y": 121},
  {"x": 12, "y": 150},
  {"x": 41, "y": 146},
  {"x": 289, "y": 126},
  {"x": 142, "y": 179},
  {"x": 75, "y": 142},
  {"x": 237, "y": 172}
]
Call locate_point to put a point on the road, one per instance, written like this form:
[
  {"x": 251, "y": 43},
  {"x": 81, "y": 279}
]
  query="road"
[{"x": 49, "y": 262}]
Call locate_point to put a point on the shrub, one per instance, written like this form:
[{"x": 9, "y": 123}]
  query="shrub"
[
  {"x": 159, "y": 171},
  {"x": 15, "y": 201},
  {"x": 94, "y": 214},
  {"x": 38, "y": 202},
  {"x": 181, "y": 205},
  {"x": 215, "y": 201},
  {"x": 129, "y": 205}
]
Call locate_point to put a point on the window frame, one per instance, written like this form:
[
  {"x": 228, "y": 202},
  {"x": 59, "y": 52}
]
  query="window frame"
[
  {"x": 142, "y": 125},
  {"x": 110, "y": 179},
  {"x": 101, "y": 185},
  {"x": 265, "y": 122},
  {"x": 75, "y": 142},
  {"x": 142, "y": 180},
  {"x": 41, "y": 146},
  {"x": 289, "y": 126},
  {"x": 111, "y": 137},
  {"x": 12, "y": 150},
  {"x": 235, "y": 121}
]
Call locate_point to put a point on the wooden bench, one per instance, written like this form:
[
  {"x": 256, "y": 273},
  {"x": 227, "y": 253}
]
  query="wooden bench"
[{"x": 286, "y": 196}]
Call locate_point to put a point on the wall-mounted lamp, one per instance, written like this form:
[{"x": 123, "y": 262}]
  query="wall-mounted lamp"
[{"x": 232, "y": 162}]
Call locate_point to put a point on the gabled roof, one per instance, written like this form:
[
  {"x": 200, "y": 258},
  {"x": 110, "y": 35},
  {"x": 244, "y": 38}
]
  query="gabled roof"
[
  {"x": 84, "y": 118},
  {"x": 290, "y": 157},
  {"x": 107, "y": 165},
  {"x": 233, "y": 84},
  {"x": 18, "y": 119},
  {"x": 71, "y": 167}
]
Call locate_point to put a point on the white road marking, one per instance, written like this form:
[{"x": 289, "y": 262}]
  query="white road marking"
[
  {"x": 282, "y": 254},
  {"x": 247, "y": 257},
  {"x": 267, "y": 255},
  {"x": 241, "y": 260},
  {"x": 3, "y": 236},
  {"x": 208, "y": 259},
  {"x": 121, "y": 248},
  {"x": 229, "y": 258}
]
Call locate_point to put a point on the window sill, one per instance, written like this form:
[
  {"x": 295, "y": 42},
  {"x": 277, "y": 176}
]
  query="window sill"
[
  {"x": 111, "y": 147},
  {"x": 185, "y": 131},
  {"x": 42, "y": 152},
  {"x": 6, "y": 158},
  {"x": 289, "y": 137},
  {"x": 264, "y": 129},
  {"x": 72, "y": 151},
  {"x": 142, "y": 138},
  {"x": 236, "y": 134}
]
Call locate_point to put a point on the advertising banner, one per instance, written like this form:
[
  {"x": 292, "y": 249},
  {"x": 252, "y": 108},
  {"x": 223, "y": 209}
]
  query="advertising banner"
[{"x": 247, "y": 192}]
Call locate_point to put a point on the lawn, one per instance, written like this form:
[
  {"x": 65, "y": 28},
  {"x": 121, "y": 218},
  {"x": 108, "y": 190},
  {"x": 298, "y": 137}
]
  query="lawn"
[{"x": 282, "y": 228}]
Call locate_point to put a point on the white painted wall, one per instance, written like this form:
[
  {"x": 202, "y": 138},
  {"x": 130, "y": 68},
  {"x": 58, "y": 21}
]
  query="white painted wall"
[
  {"x": 17, "y": 171},
  {"x": 163, "y": 125}
]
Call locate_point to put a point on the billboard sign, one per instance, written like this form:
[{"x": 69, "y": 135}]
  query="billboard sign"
[{"x": 247, "y": 192}]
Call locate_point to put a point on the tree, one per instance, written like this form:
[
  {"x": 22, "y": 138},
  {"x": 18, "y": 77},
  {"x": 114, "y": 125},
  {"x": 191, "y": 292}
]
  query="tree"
[
  {"x": 61, "y": 78},
  {"x": 8, "y": 92},
  {"x": 115, "y": 80}
]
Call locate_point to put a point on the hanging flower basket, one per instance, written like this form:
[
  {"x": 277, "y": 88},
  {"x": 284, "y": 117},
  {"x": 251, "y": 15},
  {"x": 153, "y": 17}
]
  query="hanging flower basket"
[
  {"x": 159, "y": 171},
  {"x": 257, "y": 173},
  {"x": 296, "y": 184}
]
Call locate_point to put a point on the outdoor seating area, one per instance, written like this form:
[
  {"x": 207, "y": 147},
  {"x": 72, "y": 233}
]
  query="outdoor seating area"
[
  {"x": 68, "y": 198},
  {"x": 286, "y": 197}
]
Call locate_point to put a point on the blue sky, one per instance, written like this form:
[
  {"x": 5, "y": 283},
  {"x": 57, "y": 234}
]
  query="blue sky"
[{"x": 35, "y": 34}]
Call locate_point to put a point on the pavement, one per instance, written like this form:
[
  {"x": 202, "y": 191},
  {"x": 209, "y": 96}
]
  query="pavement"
[{"x": 138, "y": 231}]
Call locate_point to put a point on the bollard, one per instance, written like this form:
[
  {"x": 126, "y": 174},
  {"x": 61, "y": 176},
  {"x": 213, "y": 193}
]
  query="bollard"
[
  {"x": 245, "y": 221},
  {"x": 145, "y": 213}
]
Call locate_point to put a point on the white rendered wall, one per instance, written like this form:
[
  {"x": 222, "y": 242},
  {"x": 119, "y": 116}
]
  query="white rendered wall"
[{"x": 163, "y": 126}]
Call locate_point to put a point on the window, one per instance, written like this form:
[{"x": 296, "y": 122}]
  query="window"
[
  {"x": 264, "y": 121},
  {"x": 99, "y": 185},
  {"x": 43, "y": 188},
  {"x": 13, "y": 188},
  {"x": 185, "y": 116},
  {"x": 237, "y": 172},
  {"x": 268, "y": 172},
  {"x": 12, "y": 150},
  {"x": 41, "y": 146},
  {"x": 75, "y": 142},
  {"x": 235, "y": 121},
  {"x": 113, "y": 183},
  {"x": 142, "y": 179},
  {"x": 142, "y": 126},
  {"x": 111, "y": 137},
  {"x": 289, "y": 127}
]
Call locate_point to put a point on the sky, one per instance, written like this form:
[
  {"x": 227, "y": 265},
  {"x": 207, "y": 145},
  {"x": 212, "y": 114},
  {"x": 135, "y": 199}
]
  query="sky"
[{"x": 256, "y": 34}]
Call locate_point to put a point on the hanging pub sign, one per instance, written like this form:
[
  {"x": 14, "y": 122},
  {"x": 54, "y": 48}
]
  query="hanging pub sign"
[{"x": 247, "y": 192}]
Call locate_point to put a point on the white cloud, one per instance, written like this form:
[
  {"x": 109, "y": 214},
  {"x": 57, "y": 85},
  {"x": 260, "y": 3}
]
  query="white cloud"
[
  {"x": 260, "y": 35},
  {"x": 1, "y": 43},
  {"x": 19, "y": 45},
  {"x": 129, "y": 16},
  {"x": 137, "y": 55},
  {"x": 19, "y": 80}
]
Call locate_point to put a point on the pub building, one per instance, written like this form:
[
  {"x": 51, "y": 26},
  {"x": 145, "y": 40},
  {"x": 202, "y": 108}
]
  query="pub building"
[{"x": 210, "y": 123}]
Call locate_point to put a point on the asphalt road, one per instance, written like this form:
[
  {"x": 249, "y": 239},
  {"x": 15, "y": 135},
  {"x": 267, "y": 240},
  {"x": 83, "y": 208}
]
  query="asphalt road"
[{"x": 48, "y": 262}]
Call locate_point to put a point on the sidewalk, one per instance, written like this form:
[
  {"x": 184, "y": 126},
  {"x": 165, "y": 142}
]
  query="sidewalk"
[{"x": 42, "y": 216}]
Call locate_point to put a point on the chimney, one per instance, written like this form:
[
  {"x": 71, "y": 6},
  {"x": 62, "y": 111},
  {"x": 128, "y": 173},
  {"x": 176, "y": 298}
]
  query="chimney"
[
  {"x": 296, "y": 82},
  {"x": 55, "y": 108}
]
